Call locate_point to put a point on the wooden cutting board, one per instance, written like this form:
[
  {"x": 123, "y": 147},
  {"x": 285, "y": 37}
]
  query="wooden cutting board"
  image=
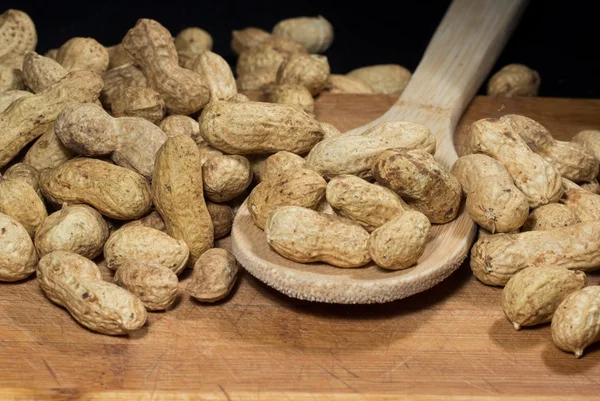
[{"x": 451, "y": 341}]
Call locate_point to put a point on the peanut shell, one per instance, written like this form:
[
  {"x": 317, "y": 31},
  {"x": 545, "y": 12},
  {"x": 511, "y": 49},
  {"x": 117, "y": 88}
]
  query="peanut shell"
[
  {"x": 214, "y": 276},
  {"x": 154, "y": 284}
]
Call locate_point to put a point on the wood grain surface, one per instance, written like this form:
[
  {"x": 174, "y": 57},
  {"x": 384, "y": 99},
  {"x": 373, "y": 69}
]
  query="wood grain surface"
[{"x": 450, "y": 342}]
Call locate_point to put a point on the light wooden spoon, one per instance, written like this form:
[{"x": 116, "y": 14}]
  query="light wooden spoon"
[{"x": 460, "y": 55}]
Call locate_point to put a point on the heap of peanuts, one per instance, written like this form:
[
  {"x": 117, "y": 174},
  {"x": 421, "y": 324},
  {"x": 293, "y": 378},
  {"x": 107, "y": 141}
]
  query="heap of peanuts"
[{"x": 122, "y": 165}]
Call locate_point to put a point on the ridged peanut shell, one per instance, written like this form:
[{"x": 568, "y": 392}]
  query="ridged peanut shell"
[
  {"x": 217, "y": 75},
  {"x": 83, "y": 54},
  {"x": 247, "y": 38},
  {"x": 310, "y": 71},
  {"x": 304, "y": 235},
  {"x": 74, "y": 282},
  {"x": 26, "y": 173},
  {"x": 17, "y": 37},
  {"x": 119, "y": 78},
  {"x": 139, "y": 102},
  {"x": 338, "y": 83},
  {"x": 18, "y": 257},
  {"x": 177, "y": 124},
  {"x": 222, "y": 218},
  {"x": 8, "y": 97},
  {"x": 293, "y": 95},
  {"x": 20, "y": 201},
  {"x": 152, "y": 220},
  {"x": 547, "y": 217},
  {"x": 214, "y": 275},
  {"x": 585, "y": 204},
  {"x": 155, "y": 285},
  {"x": 532, "y": 295},
  {"x": 384, "y": 78},
  {"x": 48, "y": 151},
  {"x": 11, "y": 79},
  {"x": 41, "y": 72},
  {"x": 514, "y": 80},
  {"x": 114, "y": 191},
  {"x": 314, "y": 33},
  {"x": 280, "y": 163},
  {"x": 226, "y": 177},
  {"x": 194, "y": 39}
]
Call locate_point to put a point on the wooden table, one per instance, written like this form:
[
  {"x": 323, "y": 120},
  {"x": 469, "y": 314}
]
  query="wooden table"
[{"x": 451, "y": 342}]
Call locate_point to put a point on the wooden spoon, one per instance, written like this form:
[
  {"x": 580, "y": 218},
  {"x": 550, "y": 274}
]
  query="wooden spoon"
[{"x": 460, "y": 55}]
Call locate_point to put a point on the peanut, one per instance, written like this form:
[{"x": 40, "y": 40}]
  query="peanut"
[
  {"x": 592, "y": 186},
  {"x": 589, "y": 139},
  {"x": 514, "y": 80},
  {"x": 256, "y": 127},
  {"x": 117, "y": 56},
  {"x": 314, "y": 33},
  {"x": 132, "y": 142},
  {"x": 20, "y": 201},
  {"x": 26, "y": 173},
  {"x": 74, "y": 282},
  {"x": 496, "y": 258},
  {"x": 48, "y": 151},
  {"x": 532, "y": 295},
  {"x": 222, "y": 218},
  {"x": 385, "y": 78},
  {"x": 355, "y": 154},
  {"x": 177, "y": 124},
  {"x": 83, "y": 54},
  {"x": 293, "y": 95},
  {"x": 238, "y": 98},
  {"x": 301, "y": 187},
  {"x": 151, "y": 46},
  {"x": 310, "y": 71},
  {"x": 207, "y": 152},
  {"x": 18, "y": 257},
  {"x": 537, "y": 178},
  {"x": 493, "y": 201},
  {"x": 576, "y": 322},
  {"x": 178, "y": 195},
  {"x": 226, "y": 177},
  {"x": 399, "y": 243},
  {"x": 256, "y": 81},
  {"x": 193, "y": 39},
  {"x": 368, "y": 204},
  {"x": 261, "y": 58},
  {"x": 40, "y": 72},
  {"x": 139, "y": 102},
  {"x": 280, "y": 163},
  {"x": 421, "y": 181},
  {"x": 29, "y": 117},
  {"x": 214, "y": 275},
  {"x": 585, "y": 204},
  {"x": 304, "y": 235},
  {"x": 114, "y": 191},
  {"x": 572, "y": 160},
  {"x": 75, "y": 228},
  {"x": 547, "y": 217},
  {"x": 152, "y": 220},
  {"x": 217, "y": 75},
  {"x": 117, "y": 79},
  {"x": 8, "y": 97},
  {"x": 345, "y": 84},
  {"x": 11, "y": 79},
  {"x": 247, "y": 38},
  {"x": 329, "y": 131},
  {"x": 17, "y": 37},
  {"x": 153, "y": 284}
]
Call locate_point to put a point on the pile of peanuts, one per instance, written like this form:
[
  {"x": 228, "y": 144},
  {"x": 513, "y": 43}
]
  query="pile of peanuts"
[{"x": 138, "y": 156}]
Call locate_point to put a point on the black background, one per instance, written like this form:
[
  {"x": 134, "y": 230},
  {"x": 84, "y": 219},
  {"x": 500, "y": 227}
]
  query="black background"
[{"x": 558, "y": 38}]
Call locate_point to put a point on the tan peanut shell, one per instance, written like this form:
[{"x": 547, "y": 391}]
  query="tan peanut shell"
[
  {"x": 301, "y": 187},
  {"x": 151, "y": 46},
  {"x": 41, "y": 72},
  {"x": 399, "y": 243},
  {"x": 547, "y": 217},
  {"x": 8, "y": 97},
  {"x": 280, "y": 163},
  {"x": 222, "y": 218},
  {"x": 117, "y": 56},
  {"x": 329, "y": 131},
  {"x": 247, "y": 38},
  {"x": 590, "y": 139},
  {"x": 20, "y": 201},
  {"x": 177, "y": 192},
  {"x": 368, "y": 204},
  {"x": 18, "y": 257},
  {"x": 576, "y": 322},
  {"x": 154, "y": 284},
  {"x": 260, "y": 80},
  {"x": 74, "y": 228},
  {"x": 177, "y": 124},
  {"x": 293, "y": 95},
  {"x": 537, "y": 178},
  {"x": 152, "y": 220},
  {"x": 29, "y": 117},
  {"x": 384, "y": 78},
  {"x": 572, "y": 160},
  {"x": 310, "y": 71},
  {"x": 532, "y": 295},
  {"x": 355, "y": 154},
  {"x": 145, "y": 244},
  {"x": 314, "y": 33},
  {"x": 591, "y": 186},
  {"x": 260, "y": 59},
  {"x": 48, "y": 151},
  {"x": 11, "y": 79},
  {"x": 117, "y": 79},
  {"x": 585, "y": 204},
  {"x": 496, "y": 258},
  {"x": 304, "y": 235},
  {"x": 194, "y": 39},
  {"x": 114, "y": 191},
  {"x": 226, "y": 177},
  {"x": 132, "y": 142},
  {"x": 338, "y": 83},
  {"x": 74, "y": 282},
  {"x": 493, "y": 201},
  {"x": 139, "y": 102},
  {"x": 26, "y": 173},
  {"x": 217, "y": 75},
  {"x": 207, "y": 152},
  {"x": 514, "y": 80},
  {"x": 214, "y": 275},
  {"x": 256, "y": 127},
  {"x": 83, "y": 54},
  {"x": 17, "y": 37},
  {"x": 421, "y": 181},
  {"x": 238, "y": 98}
]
